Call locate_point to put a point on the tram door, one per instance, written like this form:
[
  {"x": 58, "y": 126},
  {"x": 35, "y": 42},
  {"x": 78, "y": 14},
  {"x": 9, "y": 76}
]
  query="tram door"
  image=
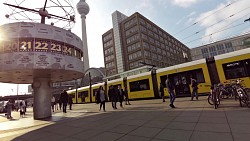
[{"x": 181, "y": 82}]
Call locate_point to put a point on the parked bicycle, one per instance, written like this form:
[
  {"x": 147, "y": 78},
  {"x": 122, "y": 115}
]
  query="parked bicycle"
[
  {"x": 242, "y": 93},
  {"x": 213, "y": 97}
]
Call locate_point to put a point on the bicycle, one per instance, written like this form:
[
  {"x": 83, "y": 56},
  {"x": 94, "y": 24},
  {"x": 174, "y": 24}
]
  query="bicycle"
[{"x": 213, "y": 97}]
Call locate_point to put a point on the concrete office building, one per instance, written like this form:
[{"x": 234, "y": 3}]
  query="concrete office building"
[
  {"x": 136, "y": 39},
  {"x": 221, "y": 47}
]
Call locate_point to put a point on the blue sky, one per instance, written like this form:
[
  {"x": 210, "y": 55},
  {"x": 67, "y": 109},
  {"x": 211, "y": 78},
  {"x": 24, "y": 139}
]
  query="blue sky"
[{"x": 210, "y": 16}]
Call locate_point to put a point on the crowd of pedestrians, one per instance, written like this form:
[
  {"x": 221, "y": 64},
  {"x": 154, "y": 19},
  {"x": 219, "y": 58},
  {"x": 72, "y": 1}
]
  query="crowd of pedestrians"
[
  {"x": 115, "y": 94},
  {"x": 61, "y": 102},
  {"x": 19, "y": 105}
]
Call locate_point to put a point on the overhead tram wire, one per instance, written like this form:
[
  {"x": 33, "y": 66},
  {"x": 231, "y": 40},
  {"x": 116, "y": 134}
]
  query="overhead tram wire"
[
  {"x": 214, "y": 33},
  {"x": 216, "y": 23},
  {"x": 224, "y": 28},
  {"x": 205, "y": 17},
  {"x": 236, "y": 34}
]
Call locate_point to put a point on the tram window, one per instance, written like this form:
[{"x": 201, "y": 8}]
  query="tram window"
[
  {"x": 139, "y": 85},
  {"x": 83, "y": 94},
  {"x": 95, "y": 92},
  {"x": 199, "y": 76},
  {"x": 72, "y": 95},
  {"x": 235, "y": 69},
  {"x": 184, "y": 77},
  {"x": 247, "y": 64}
]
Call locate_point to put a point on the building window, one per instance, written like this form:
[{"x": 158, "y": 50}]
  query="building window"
[
  {"x": 134, "y": 55},
  {"x": 110, "y": 57},
  {"x": 149, "y": 26},
  {"x": 108, "y": 51},
  {"x": 132, "y": 38},
  {"x": 134, "y": 47},
  {"x": 147, "y": 54},
  {"x": 131, "y": 30},
  {"x": 107, "y": 37},
  {"x": 130, "y": 23},
  {"x": 142, "y": 21},
  {"x": 145, "y": 45},
  {"x": 109, "y": 43},
  {"x": 229, "y": 47}
]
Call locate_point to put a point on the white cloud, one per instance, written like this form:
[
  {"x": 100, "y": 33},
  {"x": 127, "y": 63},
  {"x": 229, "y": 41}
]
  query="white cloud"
[
  {"x": 187, "y": 17},
  {"x": 184, "y": 3}
]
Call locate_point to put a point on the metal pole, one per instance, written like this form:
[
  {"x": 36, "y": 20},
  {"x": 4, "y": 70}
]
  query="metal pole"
[
  {"x": 90, "y": 87},
  {"x": 76, "y": 86}
]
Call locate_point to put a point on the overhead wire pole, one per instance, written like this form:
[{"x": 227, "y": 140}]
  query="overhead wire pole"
[{"x": 148, "y": 65}]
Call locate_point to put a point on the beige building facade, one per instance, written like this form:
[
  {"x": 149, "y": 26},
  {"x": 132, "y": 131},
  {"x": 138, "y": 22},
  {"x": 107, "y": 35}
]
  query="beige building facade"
[{"x": 221, "y": 47}]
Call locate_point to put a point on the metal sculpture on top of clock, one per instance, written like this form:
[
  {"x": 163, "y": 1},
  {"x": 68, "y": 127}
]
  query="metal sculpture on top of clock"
[{"x": 39, "y": 53}]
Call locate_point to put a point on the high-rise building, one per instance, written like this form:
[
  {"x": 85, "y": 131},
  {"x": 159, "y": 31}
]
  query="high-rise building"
[
  {"x": 221, "y": 47},
  {"x": 134, "y": 40}
]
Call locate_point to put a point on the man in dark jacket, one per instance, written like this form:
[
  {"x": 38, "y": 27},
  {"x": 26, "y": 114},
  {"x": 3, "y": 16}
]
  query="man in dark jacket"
[
  {"x": 170, "y": 87},
  {"x": 64, "y": 97},
  {"x": 120, "y": 95},
  {"x": 111, "y": 94}
]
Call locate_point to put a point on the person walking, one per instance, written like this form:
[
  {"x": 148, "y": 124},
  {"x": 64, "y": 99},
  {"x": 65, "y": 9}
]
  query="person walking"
[
  {"x": 194, "y": 86},
  {"x": 22, "y": 108},
  {"x": 9, "y": 109},
  {"x": 162, "y": 92},
  {"x": 126, "y": 96},
  {"x": 103, "y": 97},
  {"x": 53, "y": 103},
  {"x": 120, "y": 95},
  {"x": 111, "y": 95},
  {"x": 70, "y": 102},
  {"x": 170, "y": 87},
  {"x": 115, "y": 97},
  {"x": 60, "y": 103},
  {"x": 64, "y": 98}
]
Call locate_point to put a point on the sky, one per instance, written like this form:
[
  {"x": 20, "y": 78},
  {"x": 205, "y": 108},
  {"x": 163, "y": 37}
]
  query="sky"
[{"x": 193, "y": 22}]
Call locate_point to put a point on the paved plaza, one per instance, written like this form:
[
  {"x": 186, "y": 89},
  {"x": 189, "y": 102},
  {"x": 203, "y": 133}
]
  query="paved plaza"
[{"x": 145, "y": 120}]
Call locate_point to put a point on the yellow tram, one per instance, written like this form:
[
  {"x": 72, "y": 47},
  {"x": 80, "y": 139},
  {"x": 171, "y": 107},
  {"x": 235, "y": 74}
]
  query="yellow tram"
[{"x": 208, "y": 71}]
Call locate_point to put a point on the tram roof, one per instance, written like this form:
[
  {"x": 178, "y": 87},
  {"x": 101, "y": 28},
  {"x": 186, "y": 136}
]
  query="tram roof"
[
  {"x": 232, "y": 54},
  {"x": 98, "y": 84},
  {"x": 196, "y": 62},
  {"x": 139, "y": 75},
  {"x": 115, "y": 80},
  {"x": 82, "y": 88}
]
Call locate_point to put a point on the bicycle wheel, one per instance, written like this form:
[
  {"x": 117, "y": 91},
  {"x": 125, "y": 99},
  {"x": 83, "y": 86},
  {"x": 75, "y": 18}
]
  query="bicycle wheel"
[
  {"x": 215, "y": 101},
  {"x": 210, "y": 100}
]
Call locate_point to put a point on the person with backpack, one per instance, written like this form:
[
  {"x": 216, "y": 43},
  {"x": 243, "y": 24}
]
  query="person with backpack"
[
  {"x": 194, "y": 86},
  {"x": 170, "y": 87}
]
